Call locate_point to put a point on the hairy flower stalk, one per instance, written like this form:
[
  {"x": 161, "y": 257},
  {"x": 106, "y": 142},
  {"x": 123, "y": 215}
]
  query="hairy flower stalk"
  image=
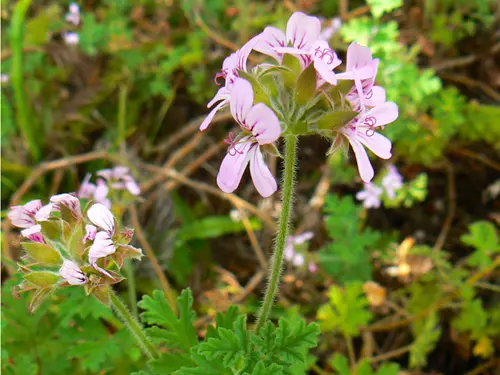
[
  {"x": 133, "y": 325},
  {"x": 283, "y": 229}
]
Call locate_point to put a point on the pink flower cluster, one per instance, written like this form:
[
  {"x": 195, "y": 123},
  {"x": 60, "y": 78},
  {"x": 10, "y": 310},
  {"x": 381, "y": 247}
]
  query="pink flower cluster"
[
  {"x": 66, "y": 226},
  {"x": 262, "y": 123},
  {"x": 391, "y": 183},
  {"x": 118, "y": 178},
  {"x": 294, "y": 257}
]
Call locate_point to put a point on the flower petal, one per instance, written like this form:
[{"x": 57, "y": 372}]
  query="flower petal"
[
  {"x": 102, "y": 246},
  {"x": 357, "y": 56},
  {"x": 302, "y": 30},
  {"x": 34, "y": 233},
  {"x": 301, "y": 238},
  {"x": 33, "y": 206},
  {"x": 377, "y": 143},
  {"x": 44, "y": 213},
  {"x": 269, "y": 40},
  {"x": 241, "y": 99},
  {"x": 232, "y": 167},
  {"x": 72, "y": 273},
  {"x": 101, "y": 191},
  {"x": 102, "y": 217},
  {"x": 69, "y": 201},
  {"x": 212, "y": 113},
  {"x": 364, "y": 165},
  {"x": 261, "y": 175},
  {"x": 90, "y": 233},
  {"x": 384, "y": 113},
  {"x": 20, "y": 218},
  {"x": 263, "y": 123}
]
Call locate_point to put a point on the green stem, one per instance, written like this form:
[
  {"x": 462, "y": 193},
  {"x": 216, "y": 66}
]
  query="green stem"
[
  {"x": 132, "y": 291},
  {"x": 284, "y": 223},
  {"x": 27, "y": 127},
  {"x": 122, "y": 114},
  {"x": 134, "y": 326}
]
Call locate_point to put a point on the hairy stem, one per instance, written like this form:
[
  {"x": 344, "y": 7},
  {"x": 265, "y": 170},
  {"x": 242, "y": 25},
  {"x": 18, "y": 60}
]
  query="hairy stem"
[
  {"x": 284, "y": 223},
  {"x": 133, "y": 325}
]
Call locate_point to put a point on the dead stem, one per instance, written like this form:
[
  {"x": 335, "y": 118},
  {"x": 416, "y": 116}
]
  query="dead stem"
[{"x": 152, "y": 258}]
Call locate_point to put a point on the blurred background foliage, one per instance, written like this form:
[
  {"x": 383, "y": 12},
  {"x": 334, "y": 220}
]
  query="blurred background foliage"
[{"x": 409, "y": 288}]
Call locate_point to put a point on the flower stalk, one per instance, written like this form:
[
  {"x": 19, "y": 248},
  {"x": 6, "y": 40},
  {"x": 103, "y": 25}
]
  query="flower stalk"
[
  {"x": 133, "y": 325},
  {"x": 283, "y": 229}
]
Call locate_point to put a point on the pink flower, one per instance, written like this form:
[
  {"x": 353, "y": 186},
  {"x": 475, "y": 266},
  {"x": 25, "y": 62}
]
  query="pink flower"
[
  {"x": 361, "y": 68},
  {"x": 102, "y": 217},
  {"x": 120, "y": 179},
  {"x": 370, "y": 196},
  {"x": 74, "y": 14},
  {"x": 392, "y": 182},
  {"x": 44, "y": 213},
  {"x": 103, "y": 246},
  {"x": 290, "y": 254},
  {"x": 361, "y": 131},
  {"x": 330, "y": 30},
  {"x": 71, "y": 38},
  {"x": 70, "y": 272},
  {"x": 87, "y": 188},
  {"x": 260, "y": 126},
  {"x": 312, "y": 267},
  {"x": 302, "y": 31},
  {"x": 69, "y": 201},
  {"x": 90, "y": 233},
  {"x": 24, "y": 216},
  {"x": 235, "y": 62},
  {"x": 34, "y": 233}
]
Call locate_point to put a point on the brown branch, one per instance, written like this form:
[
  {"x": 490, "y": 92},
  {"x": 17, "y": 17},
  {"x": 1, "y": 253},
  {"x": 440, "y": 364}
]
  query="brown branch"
[
  {"x": 472, "y": 83},
  {"x": 481, "y": 158},
  {"x": 451, "y": 208},
  {"x": 198, "y": 185},
  {"x": 167, "y": 290},
  {"x": 392, "y": 354}
]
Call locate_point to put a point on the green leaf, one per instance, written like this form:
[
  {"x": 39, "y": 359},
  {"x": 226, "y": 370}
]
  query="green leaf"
[
  {"x": 482, "y": 236},
  {"x": 42, "y": 278},
  {"x": 213, "y": 227},
  {"x": 347, "y": 310},
  {"x": 262, "y": 369},
  {"x": 170, "y": 362},
  {"x": 75, "y": 243},
  {"x": 341, "y": 364},
  {"x": 427, "y": 334},
  {"x": 231, "y": 347},
  {"x": 174, "y": 332},
  {"x": 472, "y": 318},
  {"x": 226, "y": 319},
  {"x": 337, "y": 119},
  {"x": 379, "y": 7},
  {"x": 293, "y": 340},
  {"x": 306, "y": 85},
  {"x": 42, "y": 253}
]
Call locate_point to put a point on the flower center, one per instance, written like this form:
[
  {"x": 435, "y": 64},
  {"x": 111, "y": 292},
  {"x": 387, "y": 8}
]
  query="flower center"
[{"x": 325, "y": 52}]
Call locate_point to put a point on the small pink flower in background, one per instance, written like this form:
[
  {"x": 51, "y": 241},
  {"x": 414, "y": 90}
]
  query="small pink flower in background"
[
  {"x": 312, "y": 267},
  {"x": 4, "y": 78},
  {"x": 291, "y": 255},
  {"x": 260, "y": 126},
  {"x": 74, "y": 14},
  {"x": 33, "y": 233},
  {"x": 361, "y": 131},
  {"x": 70, "y": 272},
  {"x": 120, "y": 179},
  {"x": 235, "y": 62},
  {"x": 331, "y": 29},
  {"x": 370, "y": 196},
  {"x": 97, "y": 192},
  {"x": 392, "y": 182},
  {"x": 71, "y": 38}
]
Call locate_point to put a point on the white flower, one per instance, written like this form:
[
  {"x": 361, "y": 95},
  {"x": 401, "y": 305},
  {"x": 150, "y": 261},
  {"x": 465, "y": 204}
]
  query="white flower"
[
  {"x": 102, "y": 217},
  {"x": 72, "y": 273}
]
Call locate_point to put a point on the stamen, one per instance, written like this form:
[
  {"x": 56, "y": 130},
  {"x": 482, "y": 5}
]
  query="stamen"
[
  {"x": 222, "y": 74},
  {"x": 232, "y": 142},
  {"x": 325, "y": 52},
  {"x": 369, "y": 95}
]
